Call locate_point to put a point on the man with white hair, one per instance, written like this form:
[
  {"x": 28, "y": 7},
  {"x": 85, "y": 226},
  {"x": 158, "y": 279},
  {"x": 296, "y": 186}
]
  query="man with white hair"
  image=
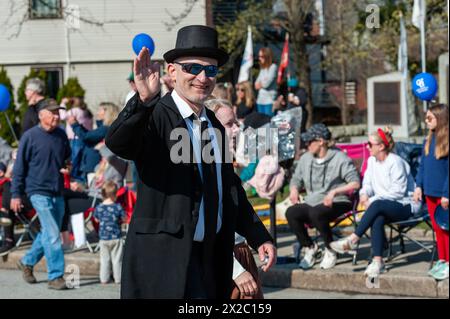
[
  {"x": 43, "y": 152},
  {"x": 34, "y": 93}
]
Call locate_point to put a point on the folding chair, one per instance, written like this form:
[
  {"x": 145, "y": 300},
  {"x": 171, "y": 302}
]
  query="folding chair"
[
  {"x": 89, "y": 217},
  {"x": 29, "y": 221},
  {"x": 402, "y": 228},
  {"x": 359, "y": 154},
  {"x": 125, "y": 197},
  {"x": 411, "y": 153}
]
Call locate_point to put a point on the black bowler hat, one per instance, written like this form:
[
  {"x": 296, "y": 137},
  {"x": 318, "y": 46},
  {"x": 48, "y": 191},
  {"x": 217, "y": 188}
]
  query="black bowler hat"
[{"x": 197, "y": 40}]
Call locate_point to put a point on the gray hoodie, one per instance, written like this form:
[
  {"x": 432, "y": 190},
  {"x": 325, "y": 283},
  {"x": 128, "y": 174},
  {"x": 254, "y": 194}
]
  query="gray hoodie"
[{"x": 318, "y": 178}]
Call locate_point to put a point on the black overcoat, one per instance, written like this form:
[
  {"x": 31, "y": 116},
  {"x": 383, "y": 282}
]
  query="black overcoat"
[{"x": 160, "y": 235}]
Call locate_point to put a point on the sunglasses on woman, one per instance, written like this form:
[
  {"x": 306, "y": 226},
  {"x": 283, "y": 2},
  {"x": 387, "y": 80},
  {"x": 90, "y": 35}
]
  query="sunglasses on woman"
[
  {"x": 372, "y": 144},
  {"x": 195, "y": 69}
]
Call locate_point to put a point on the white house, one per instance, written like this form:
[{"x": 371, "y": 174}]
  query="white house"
[{"x": 96, "y": 47}]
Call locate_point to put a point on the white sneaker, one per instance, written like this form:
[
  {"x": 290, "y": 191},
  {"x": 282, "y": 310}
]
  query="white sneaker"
[
  {"x": 344, "y": 245},
  {"x": 309, "y": 259},
  {"x": 442, "y": 272},
  {"x": 329, "y": 259},
  {"x": 375, "y": 268}
]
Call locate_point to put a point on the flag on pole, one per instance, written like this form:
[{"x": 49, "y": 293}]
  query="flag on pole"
[
  {"x": 402, "y": 61},
  {"x": 247, "y": 59},
  {"x": 418, "y": 14},
  {"x": 402, "y": 64},
  {"x": 284, "y": 61}
]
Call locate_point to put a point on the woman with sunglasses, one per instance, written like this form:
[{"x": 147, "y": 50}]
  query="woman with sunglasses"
[
  {"x": 386, "y": 195},
  {"x": 245, "y": 100},
  {"x": 265, "y": 83},
  {"x": 432, "y": 180},
  {"x": 328, "y": 175}
]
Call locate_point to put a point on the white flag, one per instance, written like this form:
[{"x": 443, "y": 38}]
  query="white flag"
[
  {"x": 247, "y": 59},
  {"x": 402, "y": 62},
  {"x": 403, "y": 68},
  {"x": 418, "y": 14}
]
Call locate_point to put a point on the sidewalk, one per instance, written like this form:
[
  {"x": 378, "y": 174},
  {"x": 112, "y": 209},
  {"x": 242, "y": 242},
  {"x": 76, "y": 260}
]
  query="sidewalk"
[{"x": 406, "y": 276}]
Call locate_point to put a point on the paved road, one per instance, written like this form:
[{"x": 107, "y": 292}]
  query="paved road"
[{"x": 12, "y": 286}]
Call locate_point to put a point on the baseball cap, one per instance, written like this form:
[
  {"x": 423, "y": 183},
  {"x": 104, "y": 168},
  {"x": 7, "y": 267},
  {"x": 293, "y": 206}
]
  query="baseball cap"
[
  {"x": 315, "y": 132},
  {"x": 48, "y": 104}
]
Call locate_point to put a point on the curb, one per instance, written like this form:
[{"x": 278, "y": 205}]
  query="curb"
[
  {"x": 86, "y": 265},
  {"x": 355, "y": 282},
  {"x": 288, "y": 276}
]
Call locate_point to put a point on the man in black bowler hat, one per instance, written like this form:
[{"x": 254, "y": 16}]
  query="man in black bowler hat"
[{"x": 181, "y": 237}]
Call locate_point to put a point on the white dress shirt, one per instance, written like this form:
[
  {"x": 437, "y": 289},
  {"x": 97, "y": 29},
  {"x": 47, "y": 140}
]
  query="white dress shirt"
[{"x": 195, "y": 135}]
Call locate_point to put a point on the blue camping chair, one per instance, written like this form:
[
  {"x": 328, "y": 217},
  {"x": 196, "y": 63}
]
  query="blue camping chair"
[{"x": 412, "y": 154}]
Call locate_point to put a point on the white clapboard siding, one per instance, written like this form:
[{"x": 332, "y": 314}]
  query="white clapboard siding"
[
  {"x": 100, "y": 56},
  {"x": 44, "y": 41}
]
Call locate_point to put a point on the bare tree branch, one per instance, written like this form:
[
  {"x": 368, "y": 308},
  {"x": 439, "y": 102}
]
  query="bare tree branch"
[
  {"x": 17, "y": 6},
  {"x": 176, "y": 19}
]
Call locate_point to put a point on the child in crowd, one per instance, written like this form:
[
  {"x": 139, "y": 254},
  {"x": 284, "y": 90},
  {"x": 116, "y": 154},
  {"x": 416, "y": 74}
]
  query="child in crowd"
[
  {"x": 432, "y": 180},
  {"x": 109, "y": 214}
]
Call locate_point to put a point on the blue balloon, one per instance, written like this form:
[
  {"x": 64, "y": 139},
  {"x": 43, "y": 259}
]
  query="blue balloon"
[
  {"x": 424, "y": 86},
  {"x": 5, "y": 98},
  {"x": 143, "y": 40}
]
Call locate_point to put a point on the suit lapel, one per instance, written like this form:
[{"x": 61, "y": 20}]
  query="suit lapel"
[{"x": 179, "y": 122}]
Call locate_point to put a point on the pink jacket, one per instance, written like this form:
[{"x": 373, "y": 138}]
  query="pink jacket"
[{"x": 268, "y": 178}]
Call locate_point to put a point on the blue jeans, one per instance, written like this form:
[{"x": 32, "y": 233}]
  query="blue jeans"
[
  {"x": 265, "y": 109},
  {"x": 77, "y": 147},
  {"x": 379, "y": 213},
  {"x": 50, "y": 212}
]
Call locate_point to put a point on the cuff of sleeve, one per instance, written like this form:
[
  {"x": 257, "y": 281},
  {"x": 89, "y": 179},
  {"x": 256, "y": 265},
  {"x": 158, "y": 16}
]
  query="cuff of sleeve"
[
  {"x": 237, "y": 269},
  {"x": 148, "y": 103}
]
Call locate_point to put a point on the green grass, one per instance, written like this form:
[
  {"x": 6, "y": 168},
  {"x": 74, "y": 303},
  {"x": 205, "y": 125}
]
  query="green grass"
[{"x": 255, "y": 200}]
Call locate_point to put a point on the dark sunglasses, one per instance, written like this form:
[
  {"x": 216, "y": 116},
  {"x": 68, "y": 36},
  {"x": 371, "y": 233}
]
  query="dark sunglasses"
[{"x": 195, "y": 69}]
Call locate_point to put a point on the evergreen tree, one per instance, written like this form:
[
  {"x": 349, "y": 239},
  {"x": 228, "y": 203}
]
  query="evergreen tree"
[
  {"x": 71, "y": 89},
  {"x": 5, "y": 131}
]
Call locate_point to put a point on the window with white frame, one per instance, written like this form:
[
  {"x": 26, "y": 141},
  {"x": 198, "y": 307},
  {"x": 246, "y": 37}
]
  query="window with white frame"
[{"x": 45, "y": 9}]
